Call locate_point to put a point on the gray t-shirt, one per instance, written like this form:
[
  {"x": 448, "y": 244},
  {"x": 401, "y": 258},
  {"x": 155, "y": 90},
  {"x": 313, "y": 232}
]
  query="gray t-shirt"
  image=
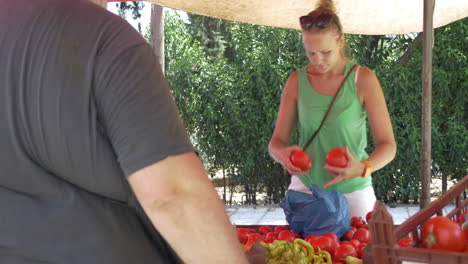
[{"x": 83, "y": 105}]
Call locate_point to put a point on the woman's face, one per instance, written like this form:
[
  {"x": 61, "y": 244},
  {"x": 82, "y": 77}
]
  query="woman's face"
[{"x": 323, "y": 49}]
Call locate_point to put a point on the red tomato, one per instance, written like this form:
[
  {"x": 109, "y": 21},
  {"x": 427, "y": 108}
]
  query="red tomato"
[
  {"x": 344, "y": 242},
  {"x": 369, "y": 216},
  {"x": 264, "y": 230},
  {"x": 359, "y": 250},
  {"x": 280, "y": 228},
  {"x": 349, "y": 235},
  {"x": 357, "y": 222},
  {"x": 462, "y": 217},
  {"x": 362, "y": 235},
  {"x": 334, "y": 237},
  {"x": 337, "y": 158},
  {"x": 405, "y": 242},
  {"x": 287, "y": 235},
  {"x": 296, "y": 235},
  {"x": 343, "y": 251},
  {"x": 310, "y": 238},
  {"x": 465, "y": 229},
  {"x": 252, "y": 238},
  {"x": 242, "y": 234},
  {"x": 257, "y": 236},
  {"x": 301, "y": 160},
  {"x": 442, "y": 233},
  {"x": 324, "y": 243},
  {"x": 271, "y": 237},
  {"x": 355, "y": 243}
]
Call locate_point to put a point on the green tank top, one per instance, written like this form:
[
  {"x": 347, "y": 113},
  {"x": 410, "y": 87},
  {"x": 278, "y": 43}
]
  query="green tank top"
[{"x": 345, "y": 126}]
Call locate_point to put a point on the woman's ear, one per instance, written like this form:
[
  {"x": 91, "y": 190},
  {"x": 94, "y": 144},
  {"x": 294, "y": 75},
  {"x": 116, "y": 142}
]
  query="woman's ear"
[{"x": 341, "y": 41}]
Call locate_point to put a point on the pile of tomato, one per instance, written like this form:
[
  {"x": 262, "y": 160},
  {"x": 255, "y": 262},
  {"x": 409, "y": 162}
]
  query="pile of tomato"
[
  {"x": 351, "y": 244},
  {"x": 437, "y": 233}
]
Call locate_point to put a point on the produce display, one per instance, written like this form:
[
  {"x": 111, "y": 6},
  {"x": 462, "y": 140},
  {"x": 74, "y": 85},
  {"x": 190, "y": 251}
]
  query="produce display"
[
  {"x": 283, "y": 245},
  {"x": 286, "y": 246}
]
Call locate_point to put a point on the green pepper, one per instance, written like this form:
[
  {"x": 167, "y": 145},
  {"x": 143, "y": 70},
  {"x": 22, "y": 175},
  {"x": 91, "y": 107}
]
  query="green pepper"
[{"x": 310, "y": 249}]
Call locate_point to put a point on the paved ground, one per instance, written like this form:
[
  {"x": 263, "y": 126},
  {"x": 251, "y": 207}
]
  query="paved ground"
[{"x": 273, "y": 215}]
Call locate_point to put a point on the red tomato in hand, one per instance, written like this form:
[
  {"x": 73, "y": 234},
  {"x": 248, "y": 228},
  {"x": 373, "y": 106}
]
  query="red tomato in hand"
[
  {"x": 343, "y": 251},
  {"x": 301, "y": 160},
  {"x": 337, "y": 158},
  {"x": 442, "y": 233}
]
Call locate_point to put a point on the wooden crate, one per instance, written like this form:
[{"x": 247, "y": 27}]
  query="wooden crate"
[{"x": 384, "y": 248}]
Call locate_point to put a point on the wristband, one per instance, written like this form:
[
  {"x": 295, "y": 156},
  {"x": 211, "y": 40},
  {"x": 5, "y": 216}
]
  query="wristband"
[{"x": 367, "y": 168}]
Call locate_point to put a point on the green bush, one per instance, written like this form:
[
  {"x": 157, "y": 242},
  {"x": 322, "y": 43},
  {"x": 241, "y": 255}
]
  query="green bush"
[{"x": 227, "y": 79}]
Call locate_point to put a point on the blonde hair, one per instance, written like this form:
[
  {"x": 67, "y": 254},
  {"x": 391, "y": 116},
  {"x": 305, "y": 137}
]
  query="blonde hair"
[{"x": 327, "y": 7}]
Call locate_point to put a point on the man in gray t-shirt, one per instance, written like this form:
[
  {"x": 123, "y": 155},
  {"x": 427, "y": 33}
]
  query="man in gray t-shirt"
[{"x": 96, "y": 166}]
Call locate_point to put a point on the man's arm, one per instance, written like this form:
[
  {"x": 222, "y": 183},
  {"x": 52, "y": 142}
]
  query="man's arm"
[{"x": 183, "y": 205}]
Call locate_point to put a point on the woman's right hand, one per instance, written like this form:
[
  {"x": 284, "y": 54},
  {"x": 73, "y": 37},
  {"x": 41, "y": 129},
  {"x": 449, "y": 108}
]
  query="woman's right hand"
[{"x": 283, "y": 156}]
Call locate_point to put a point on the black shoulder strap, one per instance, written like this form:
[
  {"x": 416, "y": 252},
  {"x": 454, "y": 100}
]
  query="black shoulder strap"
[{"x": 329, "y": 107}]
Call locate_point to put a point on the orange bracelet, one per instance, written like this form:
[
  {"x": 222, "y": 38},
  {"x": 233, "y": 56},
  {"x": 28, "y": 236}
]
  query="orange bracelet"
[{"x": 367, "y": 168}]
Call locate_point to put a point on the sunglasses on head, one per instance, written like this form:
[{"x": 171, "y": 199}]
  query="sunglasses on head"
[{"x": 320, "y": 21}]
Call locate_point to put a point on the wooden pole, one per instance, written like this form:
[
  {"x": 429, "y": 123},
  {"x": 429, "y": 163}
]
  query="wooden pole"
[
  {"x": 157, "y": 32},
  {"x": 428, "y": 43}
]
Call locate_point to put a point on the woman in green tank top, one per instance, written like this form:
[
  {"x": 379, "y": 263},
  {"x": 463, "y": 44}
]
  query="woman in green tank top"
[{"x": 306, "y": 97}]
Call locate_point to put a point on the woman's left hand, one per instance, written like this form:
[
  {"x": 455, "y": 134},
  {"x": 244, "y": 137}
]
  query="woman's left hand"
[{"x": 353, "y": 169}]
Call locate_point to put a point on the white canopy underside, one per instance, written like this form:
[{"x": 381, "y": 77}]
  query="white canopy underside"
[{"x": 371, "y": 17}]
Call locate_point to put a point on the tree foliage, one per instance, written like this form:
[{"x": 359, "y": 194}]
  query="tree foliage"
[
  {"x": 132, "y": 7},
  {"x": 399, "y": 67},
  {"x": 227, "y": 79}
]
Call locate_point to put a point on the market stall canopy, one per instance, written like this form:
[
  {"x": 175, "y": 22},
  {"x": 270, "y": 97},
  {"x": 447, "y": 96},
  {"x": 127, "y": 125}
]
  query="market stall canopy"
[{"x": 371, "y": 17}]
